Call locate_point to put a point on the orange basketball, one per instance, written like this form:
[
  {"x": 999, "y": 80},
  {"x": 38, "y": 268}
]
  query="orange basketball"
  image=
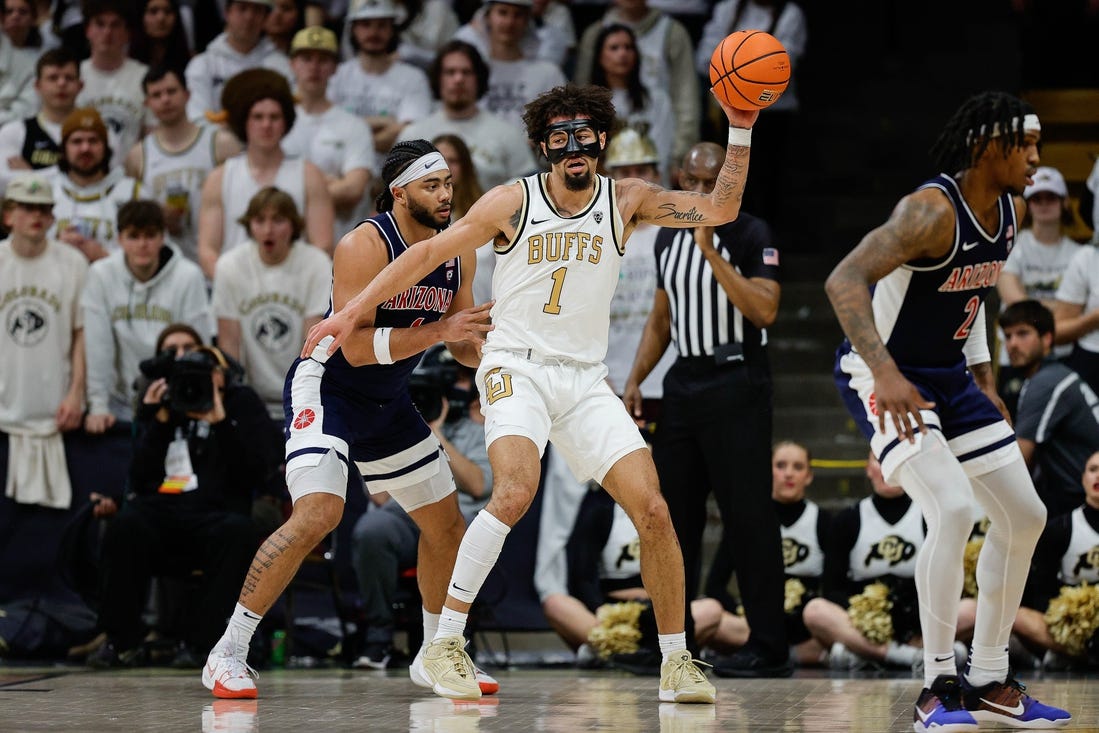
[{"x": 749, "y": 70}]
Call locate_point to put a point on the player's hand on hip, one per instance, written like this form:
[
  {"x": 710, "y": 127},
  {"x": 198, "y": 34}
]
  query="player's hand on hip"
[
  {"x": 469, "y": 325},
  {"x": 898, "y": 400},
  {"x": 339, "y": 326},
  {"x": 737, "y": 117}
]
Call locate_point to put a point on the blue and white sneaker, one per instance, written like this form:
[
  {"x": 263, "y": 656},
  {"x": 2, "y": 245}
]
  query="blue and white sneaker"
[
  {"x": 1008, "y": 704},
  {"x": 940, "y": 708}
]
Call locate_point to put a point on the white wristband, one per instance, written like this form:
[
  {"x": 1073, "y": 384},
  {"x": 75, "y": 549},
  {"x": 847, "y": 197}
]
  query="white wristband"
[
  {"x": 381, "y": 345},
  {"x": 740, "y": 136}
]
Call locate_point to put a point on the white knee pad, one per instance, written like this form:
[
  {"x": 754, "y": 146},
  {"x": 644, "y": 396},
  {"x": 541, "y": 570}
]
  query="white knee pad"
[
  {"x": 428, "y": 491},
  {"x": 328, "y": 476}
]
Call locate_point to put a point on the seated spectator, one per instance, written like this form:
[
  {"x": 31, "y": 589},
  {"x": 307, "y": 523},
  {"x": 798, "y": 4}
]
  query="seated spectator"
[
  {"x": 873, "y": 542},
  {"x": 196, "y": 467},
  {"x": 34, "y": 142},
  {"x": 160, "y": 39},
  {"x": 20, "y": 24},
  {"x": 175, "y": 158},
  {"x": 240, "y": 46},
  {"x": 1076, "y": 314},
  {"x": 429, "y": 29},
  {"x": 130, "y": 297},
  {"x": 1036, "y": 264},
  {"x": 87, "y": 191},
  {"x": 17, "y": 99},
  {"x": 385, "y": 539},
  {"x": 459, "y": 78},
  {"x": 112, "y": 80},
  {"x": 1055, "y": 422},
  {"x": 269, "y": 293},
  {"x": 261, "y": 111},
  {"x": 617, "y": 66},
  {"x": 331, "y": 138},
  {"x": 286, "y": 18},
  {"x": 374, "y": 85},
  {"x": 41, "y": 347},
  {"x": 546, "y": 27},
  {"x": 1065, "y": 557}
]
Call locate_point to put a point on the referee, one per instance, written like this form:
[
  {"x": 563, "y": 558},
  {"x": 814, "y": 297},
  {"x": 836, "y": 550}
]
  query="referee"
[{"x": 717, "y": 289}]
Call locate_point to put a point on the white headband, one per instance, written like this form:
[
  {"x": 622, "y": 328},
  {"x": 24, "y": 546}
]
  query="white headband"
[
  {"x": 422, "y": 166},
  {"x": 1030, "y": 124}
]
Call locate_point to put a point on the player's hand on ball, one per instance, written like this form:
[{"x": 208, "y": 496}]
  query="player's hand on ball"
[{"x": 737, "y": 117}]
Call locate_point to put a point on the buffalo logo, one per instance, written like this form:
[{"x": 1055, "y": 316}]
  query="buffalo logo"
[
  {"x": 271, "y": 331},
  {"x": 793, "y": 552},
  {"x": 631, "y": 552},
  {"x": 27, "y": 325},
  {"x": 1087, "y": 561},
  {"x": 304, "y": 419},
  {"x": 598, "y": 217},
  {"x": 892, "y": 549}
]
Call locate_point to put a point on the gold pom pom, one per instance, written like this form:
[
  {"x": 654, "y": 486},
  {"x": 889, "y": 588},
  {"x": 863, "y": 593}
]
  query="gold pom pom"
[
  {"x": 869, "y": 612},
  {"x": 617, "y": 632},
  {"x": 1073, "y": 617},
  {"x": 972, "y": 552},
  {"x": 795, "y": 591}
]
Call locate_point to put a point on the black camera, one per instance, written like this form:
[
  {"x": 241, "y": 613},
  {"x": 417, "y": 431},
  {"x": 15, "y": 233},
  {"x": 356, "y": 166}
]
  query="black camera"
[
  {"x": 190, "y": 381},
  {"x": 433, "y": 378}
]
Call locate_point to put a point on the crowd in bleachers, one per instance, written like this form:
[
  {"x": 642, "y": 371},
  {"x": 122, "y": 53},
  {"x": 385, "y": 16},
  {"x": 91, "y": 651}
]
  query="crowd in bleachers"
[{"x": 187, "y": 167}]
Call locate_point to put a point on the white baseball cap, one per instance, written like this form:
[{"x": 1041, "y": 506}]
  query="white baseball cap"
[
  {"x": 1047, "y": 179},
  {"x": 367, "y": 9}
]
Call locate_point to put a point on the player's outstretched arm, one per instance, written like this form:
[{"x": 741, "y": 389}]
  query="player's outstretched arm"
[
  {"x": 489, "y": 217},
  {"x": 682, "y": 209}
]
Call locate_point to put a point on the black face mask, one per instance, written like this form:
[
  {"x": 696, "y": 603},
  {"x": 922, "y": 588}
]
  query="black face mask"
[{"x": 572, "y": 146}]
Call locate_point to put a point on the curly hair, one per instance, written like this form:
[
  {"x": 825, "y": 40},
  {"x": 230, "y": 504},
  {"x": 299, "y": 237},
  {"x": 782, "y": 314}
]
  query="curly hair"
[
  {"x": 571, "y": 100},
  {"x": 965, "y": 137},
  {"x": 400, "y": 157}
]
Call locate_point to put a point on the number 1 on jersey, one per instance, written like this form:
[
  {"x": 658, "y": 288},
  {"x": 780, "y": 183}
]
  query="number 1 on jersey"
[{"x": 553, "y": 306}]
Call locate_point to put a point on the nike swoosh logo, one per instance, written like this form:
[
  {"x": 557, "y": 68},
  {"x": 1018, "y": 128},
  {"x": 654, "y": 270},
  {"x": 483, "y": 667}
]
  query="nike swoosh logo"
[
  {"x": 1017, "y": 710},
  {"x": 943, "y": 659},
  {"x": 455, "y": 586},
  {"x": 966, "y": 246},
  {"x": 254, "y": 618},
  {"x": 210, "y": 670},
  {"x": 923, "y": 716},
  {"x": 426, "y": 166},
  {"x": 536, "y": 222}
]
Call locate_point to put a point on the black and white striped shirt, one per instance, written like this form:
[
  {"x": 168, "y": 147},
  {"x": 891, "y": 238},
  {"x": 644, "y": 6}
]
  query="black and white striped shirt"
[{"x": 701, "y": 315}]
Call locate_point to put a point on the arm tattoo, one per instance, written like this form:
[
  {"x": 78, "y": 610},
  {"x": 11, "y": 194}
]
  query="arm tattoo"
[
  {"x": 271, "y": 549},
  {"x": 516, "y": 219},
  {"x": 678, "y": 214},
  {"x": 730, "y": 181}
]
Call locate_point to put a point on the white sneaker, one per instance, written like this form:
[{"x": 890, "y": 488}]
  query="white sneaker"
[
  {"x": 227, "y": 676},
  {"x": 487, "y": 683},
  {"x": 447, "y": 666}
]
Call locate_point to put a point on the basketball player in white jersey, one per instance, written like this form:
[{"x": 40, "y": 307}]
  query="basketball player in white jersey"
[{"x": 559, "y": 238}]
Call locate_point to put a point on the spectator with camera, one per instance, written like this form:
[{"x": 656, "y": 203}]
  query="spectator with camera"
[
  {"x": 195, "y": 469},
  {"x": 129, "y": 298},
  {"x": 384, "y": 541}
]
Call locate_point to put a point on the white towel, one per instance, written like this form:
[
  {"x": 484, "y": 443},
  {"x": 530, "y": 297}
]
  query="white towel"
[{"x": 37, "y": 472}]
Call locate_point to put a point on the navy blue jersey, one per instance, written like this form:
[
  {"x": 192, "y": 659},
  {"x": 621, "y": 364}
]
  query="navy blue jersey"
[
  {"x": 924, "y": 310},
  {"x": 425, "y": 302}
]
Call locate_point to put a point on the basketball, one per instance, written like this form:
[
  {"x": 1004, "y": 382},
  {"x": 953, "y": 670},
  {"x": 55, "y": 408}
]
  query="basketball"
[{"x": 749, "y": 70}]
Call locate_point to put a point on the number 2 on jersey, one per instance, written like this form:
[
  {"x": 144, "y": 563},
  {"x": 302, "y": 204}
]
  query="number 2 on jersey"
[
  {"x": 972, "y": 308},
  {"x": 553, "y": 306}
]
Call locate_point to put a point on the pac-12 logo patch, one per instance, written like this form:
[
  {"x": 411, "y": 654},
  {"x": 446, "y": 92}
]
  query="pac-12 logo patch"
[{"x": 304, "y": 419}]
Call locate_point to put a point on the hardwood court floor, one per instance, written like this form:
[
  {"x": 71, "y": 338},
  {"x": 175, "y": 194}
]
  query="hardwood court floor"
[{"x": 530, "y": 701}]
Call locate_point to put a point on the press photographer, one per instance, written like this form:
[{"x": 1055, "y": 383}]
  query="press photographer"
[{"x": 203, "y": 450}]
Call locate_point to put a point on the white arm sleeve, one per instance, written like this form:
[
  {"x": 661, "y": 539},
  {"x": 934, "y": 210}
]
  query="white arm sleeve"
[{"x": 976, "y": 345}]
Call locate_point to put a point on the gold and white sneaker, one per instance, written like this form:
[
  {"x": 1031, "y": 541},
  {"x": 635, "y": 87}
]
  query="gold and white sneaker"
[
  {"x": 445, "y": 664},
  {"x": 681, "y": 680}
]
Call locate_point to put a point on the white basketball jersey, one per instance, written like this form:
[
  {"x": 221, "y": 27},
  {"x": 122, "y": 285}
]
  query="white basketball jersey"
[
  {"x": 238, "y": 187},
  {"x": 554, "y": 280},
  {"x": 883, "y": 548},
  {"x": 1080, "y": 563},
  {"x": 176, "y": 179}
]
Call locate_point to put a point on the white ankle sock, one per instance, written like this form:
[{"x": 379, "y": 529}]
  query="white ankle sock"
[
  {"x": 937, "y": 663},
  {"x": 431, "y": 627},
  {"x": 672, "y": 643},
  {"x": 451, "y": 623},
  {"x": 902, "y": 654},
  {"x": 986, "y": 664},
  {"x": 242, "y": 626}
]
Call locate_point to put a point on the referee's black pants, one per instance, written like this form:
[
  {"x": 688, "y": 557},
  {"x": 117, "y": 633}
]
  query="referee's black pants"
[{"x": 714, "y": 434}]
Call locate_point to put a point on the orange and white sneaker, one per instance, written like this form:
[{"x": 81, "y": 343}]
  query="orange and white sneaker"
[{"x": 228, "y": 676}]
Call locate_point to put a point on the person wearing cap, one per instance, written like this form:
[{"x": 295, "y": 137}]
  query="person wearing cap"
[
  {"x": 240, "y": 46},
  {"x": 175, "y": 158},
  {"x": 42, "y": 346},
  {"x": 513, "y": 79},
  {"x": 261, "y": 111},
  {"x": 374, "y": 85},
  {"x": 340, "y": 144},
  {"x": 112, "y": 80},
  {"x": 546, "y": 26},
  {"x": 368, "y": 419},
  {"x": 34, "y": 143},
  {"x": 459, "y": 80},
  {"x": 87, "y": 190},
  {"x": 1037, "y": 263}
]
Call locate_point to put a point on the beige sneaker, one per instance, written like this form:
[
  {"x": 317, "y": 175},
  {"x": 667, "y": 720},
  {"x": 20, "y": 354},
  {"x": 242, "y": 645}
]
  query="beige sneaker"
[
  {"x": 682, "y": 681},
  {"x": 450, "y": 670}
]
